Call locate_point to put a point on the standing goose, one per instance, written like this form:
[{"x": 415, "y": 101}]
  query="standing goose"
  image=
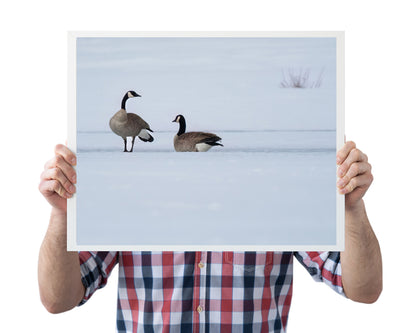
[
  {"x": 193, "y": 141},
  {"x": 130, "y": 124}
]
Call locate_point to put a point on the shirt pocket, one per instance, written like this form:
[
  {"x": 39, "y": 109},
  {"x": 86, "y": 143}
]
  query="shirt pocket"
[{"x": 249, "y": 261}]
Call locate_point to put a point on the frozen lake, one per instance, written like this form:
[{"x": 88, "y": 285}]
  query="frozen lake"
[{"x": 261, "y": 188}]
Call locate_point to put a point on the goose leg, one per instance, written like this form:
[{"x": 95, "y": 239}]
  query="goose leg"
[
  {"x": 132, "y": 143},
  {"x": 125, "y": 144}
]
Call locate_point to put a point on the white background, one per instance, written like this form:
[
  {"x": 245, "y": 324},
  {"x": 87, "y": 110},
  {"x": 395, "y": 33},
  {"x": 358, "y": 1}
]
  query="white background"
[{"x": 380, "y": 103}]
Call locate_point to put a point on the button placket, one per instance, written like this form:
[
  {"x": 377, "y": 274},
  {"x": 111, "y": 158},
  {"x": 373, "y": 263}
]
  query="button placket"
[{"x": 202, "y": 289}]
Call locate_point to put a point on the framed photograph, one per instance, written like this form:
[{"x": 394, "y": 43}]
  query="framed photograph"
[{"x": 200, "y": 141}]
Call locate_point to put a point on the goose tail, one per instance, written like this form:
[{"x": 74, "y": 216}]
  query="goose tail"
[{"x": 145, "y": 136}]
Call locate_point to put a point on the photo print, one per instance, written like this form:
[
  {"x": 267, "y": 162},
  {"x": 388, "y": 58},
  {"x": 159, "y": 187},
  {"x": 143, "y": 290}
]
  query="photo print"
[{"x": 206, "y": 141}]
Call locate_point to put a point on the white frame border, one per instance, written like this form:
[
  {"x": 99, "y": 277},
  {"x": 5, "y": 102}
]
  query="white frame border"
[{"x": 340, "y": 129}]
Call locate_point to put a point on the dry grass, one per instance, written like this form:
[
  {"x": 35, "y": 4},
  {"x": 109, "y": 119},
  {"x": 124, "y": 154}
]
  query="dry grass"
[{"x": 300, "y": 79}]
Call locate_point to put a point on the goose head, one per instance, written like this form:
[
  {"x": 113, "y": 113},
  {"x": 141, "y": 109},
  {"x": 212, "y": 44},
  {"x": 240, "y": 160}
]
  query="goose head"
[
  {"x": 131, "y": 94},
  {"x": 178, "y": 119},
  {"x": 182, "y": 124}
]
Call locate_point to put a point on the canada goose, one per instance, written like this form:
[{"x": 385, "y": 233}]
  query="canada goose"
[
  {"x": 193, "y": 141},
  {"x": 130, "y": 124}
]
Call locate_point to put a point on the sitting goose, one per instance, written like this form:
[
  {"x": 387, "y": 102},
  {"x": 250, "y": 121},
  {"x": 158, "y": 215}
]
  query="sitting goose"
[
  {"x": 193, "y": 141},
  {"x": 130, "y": 124}
]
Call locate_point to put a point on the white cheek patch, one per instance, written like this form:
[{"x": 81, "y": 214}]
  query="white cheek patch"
[
  {"x": 144, "y": 135},
  {"x": 201, "y": 147},
  {"x": 129, "y": 95}
]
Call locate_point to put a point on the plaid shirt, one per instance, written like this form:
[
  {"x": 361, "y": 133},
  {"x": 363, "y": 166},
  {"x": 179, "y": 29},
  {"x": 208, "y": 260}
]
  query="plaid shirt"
[{"x": 205, "y": 291}]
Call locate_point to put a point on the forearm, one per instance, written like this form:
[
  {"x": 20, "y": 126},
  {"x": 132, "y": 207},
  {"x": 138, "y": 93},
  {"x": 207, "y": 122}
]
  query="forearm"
[
  {"x": 59, "y": 273},
  {"x": 361, "y": 261}
]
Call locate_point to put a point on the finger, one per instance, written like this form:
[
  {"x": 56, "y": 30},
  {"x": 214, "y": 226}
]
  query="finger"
[
  {"x": 57, "y": 174},
  {"x": 59, "y": 162},
  {"x": 362, "y": 181},
  {"x": 66, "y": 153},
  {"x": 344, "y": 151},
  {"x": 357, "y": 168},
  {"x": 354, "y": 155},
  {"x": 50, "y": 187}
]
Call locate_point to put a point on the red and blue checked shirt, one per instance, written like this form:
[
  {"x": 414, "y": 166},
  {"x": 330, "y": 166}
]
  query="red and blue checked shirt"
[{"x": 205, "y": 291}]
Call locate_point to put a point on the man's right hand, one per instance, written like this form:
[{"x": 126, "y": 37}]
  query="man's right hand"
[{"x": 58, "y": 178}]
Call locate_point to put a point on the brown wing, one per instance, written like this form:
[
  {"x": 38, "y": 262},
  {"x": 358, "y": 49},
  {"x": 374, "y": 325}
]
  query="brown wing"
[
  {"x": 199, "y": 137},
  {"x": 137, "y": 121}
]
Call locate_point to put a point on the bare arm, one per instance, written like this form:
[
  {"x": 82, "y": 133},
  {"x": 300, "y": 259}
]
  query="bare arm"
[
  {"x": 361, "y": 261},
  {"x": 59, "y": 273}
]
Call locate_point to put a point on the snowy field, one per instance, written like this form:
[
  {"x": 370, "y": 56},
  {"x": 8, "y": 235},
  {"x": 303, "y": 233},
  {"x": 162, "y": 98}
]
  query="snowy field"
[{"x": 279, "y": 190}]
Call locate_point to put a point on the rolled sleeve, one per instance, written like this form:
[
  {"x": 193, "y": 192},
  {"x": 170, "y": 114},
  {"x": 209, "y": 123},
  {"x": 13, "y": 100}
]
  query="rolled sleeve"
[
  {"x": 323, "y": 267},
  {"x": 95, "y": 268}
]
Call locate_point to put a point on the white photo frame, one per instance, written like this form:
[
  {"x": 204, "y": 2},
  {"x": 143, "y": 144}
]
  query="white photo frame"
[{"x": 243, "y": 197}]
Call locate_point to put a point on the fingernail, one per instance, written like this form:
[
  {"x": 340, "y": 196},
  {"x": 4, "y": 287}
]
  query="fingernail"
[
  {"x": 340, "y": 172},
  {"x": 72, "y": 188},
  {"x": 74, "y": 179},
  {"x": 338, "y": 160},
  {"x": 68, "y": 195},
  {"x": 74, "y": 161},
  {"x": 340, "y": 182},
  {"x": 343, "y": 190}
]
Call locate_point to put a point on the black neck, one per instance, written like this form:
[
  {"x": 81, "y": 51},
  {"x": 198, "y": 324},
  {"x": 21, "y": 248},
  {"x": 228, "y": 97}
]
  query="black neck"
[
  {"x": 182, "y": 126},
  {"x": 123, "y": 102}
]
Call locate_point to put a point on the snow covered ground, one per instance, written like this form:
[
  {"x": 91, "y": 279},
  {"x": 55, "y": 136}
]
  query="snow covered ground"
[{"x": 279, "y": 190}]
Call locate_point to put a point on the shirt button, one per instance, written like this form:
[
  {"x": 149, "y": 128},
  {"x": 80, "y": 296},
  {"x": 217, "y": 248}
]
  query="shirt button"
[
  {"x": 201, "y": 265},
  {"x": 199, "y": 309}
]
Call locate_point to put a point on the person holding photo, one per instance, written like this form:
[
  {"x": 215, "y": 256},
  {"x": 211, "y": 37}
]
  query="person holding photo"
[{"x": 201, "y": 291}]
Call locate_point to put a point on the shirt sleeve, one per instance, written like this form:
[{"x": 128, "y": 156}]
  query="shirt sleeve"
[
  {"x": 323, "y": 267},
  {"x": 95, "y": 267}
]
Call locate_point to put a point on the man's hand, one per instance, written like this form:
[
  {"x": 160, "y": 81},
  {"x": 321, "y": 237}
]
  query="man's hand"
[
  {"x": 354, "y": 174},
  {"x": 59, "y": 275},
  {"x": 58, "y": 178},
  {"x": 361, "y": 263}
]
